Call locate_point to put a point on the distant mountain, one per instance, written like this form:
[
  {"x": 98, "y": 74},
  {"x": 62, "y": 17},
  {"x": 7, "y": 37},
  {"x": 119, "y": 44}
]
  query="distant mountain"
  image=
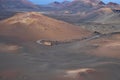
[
  {"x": 101, "y": 3},
  {"x": 16, "y": 4},
  {"x": 79, "y": 11},
  {"x": 84, "y": 16},
  {"x": 55, "y": 4},
  {"x": 113, "y": 5},
  {"x": 34, "y": 26},
  {"x": 81, "y": 5},
  {"x": 103, "y": 15},
  {"x": 58, "y": 5},
  {"x": 113, "y": 18},
  {"x": 95, "y": 14},
  {"x": 77, "y": 6},
  {"x": 92, "y": 2}
]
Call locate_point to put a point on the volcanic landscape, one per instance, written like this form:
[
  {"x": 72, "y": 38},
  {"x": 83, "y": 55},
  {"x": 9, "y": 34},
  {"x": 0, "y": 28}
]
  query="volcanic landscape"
[{"x": 78, "y": 40}]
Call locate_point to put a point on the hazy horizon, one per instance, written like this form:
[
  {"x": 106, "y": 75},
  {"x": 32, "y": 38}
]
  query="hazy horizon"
[{"x": 49, "y": 1}]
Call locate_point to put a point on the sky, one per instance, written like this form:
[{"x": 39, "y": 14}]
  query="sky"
[{"x": 48, "y": 1}]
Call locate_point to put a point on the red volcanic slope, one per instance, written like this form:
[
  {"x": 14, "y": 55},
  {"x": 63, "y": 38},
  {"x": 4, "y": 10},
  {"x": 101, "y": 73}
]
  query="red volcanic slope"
[{"x": 34, "y": 26}]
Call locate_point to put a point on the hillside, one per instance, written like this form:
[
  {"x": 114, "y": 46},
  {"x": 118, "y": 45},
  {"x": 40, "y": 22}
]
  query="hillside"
[
  {"x": 34, "y": 26},
  {"x": 108, "y": 45},
  {"x": 16, "y": 4},
  {"x": 109, "y": 19}
]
